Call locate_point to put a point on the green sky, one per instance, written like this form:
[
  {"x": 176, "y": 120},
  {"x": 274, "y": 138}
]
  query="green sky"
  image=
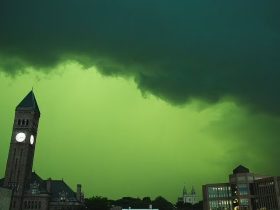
[
  {"x": 139, "y": 98},
  {"x": 104, "y": 133}
]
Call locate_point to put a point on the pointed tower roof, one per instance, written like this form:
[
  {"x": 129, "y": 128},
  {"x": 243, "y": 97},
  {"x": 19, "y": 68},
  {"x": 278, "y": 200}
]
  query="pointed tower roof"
[
  {"x": 185, "y": 191},
  {"x": 240, "y": 169},
  {"x": 193, "y": 191},
  {"x": 28, "y": 103}
]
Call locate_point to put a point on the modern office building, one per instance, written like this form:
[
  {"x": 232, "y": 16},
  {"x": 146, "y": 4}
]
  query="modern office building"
[{"x": 244, "y": 191}]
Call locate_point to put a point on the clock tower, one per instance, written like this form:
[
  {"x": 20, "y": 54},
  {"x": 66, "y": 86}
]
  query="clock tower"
[{"x": 22, "y": 147}]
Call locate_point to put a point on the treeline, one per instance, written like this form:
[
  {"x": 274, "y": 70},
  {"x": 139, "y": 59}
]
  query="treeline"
[{"x": 103, "y": 203}]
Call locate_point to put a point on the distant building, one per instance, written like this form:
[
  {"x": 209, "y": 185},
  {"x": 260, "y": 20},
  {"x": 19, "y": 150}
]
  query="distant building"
[
  {"x": 244, "y": 191},
  {"x": 188, "y": 198},
  {"x": 25, "y": 190}
]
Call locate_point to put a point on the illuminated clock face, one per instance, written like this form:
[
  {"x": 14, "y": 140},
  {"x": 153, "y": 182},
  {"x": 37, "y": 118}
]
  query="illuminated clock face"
[
  {"x": 20, "y": 137},
  {"x": 31, "y": 139}
]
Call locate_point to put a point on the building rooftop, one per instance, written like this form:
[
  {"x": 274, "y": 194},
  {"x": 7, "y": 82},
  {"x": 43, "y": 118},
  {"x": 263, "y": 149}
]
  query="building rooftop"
[
  {"x": 59, "y": 189},
  {"x": 240, "y": 169},
  {"x": 28, "y": 103}
]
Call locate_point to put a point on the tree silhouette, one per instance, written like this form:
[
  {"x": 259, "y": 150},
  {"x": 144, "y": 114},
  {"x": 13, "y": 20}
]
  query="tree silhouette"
[
  {"x": 162, "y": 204},
  {"x": 180, "y": 205},
  {"x": 97, "y": 203},
  {"x": 102, "y": 203}
]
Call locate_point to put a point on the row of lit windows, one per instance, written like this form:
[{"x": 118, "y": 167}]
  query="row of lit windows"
[
  {"x": 218, "y": 192},
  {"x": 219, "y": 188},
  {"x": 32, "y": 204},
  {"x": 244, "y": 202},
  {"x": 220, "y": 204}
]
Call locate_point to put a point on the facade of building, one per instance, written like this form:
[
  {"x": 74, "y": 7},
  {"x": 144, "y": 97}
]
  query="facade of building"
[
  {"x": 266, "y": 193},
  {"x": 188, "y": 197},
  {"x": 29, "y": 191},
  {"x": 5, "y": 198},
  {"x": 244, "y": 191}
]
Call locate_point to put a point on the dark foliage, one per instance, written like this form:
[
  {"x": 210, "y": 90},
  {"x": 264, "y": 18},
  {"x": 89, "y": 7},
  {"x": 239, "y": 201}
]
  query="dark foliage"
[
  {"x": 162, "y": 204},
  {"x": 127, "y": 202},
  {"x": 188, "y": 206},
  {"x": 102, "y": 203},
  {"x": 97, "y": 203}
]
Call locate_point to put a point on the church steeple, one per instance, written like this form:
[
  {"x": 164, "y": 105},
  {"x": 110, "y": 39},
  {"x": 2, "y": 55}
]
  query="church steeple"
[
  {"x": 193, "y": 191},
  {"x": 28, "y": 103},
  {"x": 185, "y": 191}
]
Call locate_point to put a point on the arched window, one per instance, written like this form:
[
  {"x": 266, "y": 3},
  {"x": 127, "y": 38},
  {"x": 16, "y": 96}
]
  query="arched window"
[
  {"x": 27, "y": 122},
  {"x": 32, "y": 204},
  {"x": 25, "y": 204},
  {"x": 39, "y": 204},
  {"x": 19, "y": 122},
  {"x": 35, "y": 205},
  {"x": 28, "y": 204}
]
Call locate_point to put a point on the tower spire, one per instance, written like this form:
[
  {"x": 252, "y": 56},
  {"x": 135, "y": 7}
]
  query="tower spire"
[
  {"x": 193, "y": 191},
  {"x": 185, "y": 190},
  {"x": 28, "y": 103}
]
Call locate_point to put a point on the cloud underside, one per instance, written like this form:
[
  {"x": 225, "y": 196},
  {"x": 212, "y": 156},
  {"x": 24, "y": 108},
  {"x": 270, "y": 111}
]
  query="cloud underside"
[{"x": 174, "y": 50}]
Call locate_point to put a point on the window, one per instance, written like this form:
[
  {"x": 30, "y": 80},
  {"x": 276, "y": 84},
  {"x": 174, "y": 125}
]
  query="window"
[
  {"x": 244, "y": 202},
  {"x": 35, "y": 188},
  {"x": 243, "y": 189}
]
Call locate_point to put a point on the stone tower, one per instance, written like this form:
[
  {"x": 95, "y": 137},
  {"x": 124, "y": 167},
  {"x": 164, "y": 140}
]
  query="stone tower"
[{"x": 22, "y": 148}]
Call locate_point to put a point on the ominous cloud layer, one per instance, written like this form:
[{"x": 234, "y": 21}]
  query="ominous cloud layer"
[{"x": 176, "y": 50}]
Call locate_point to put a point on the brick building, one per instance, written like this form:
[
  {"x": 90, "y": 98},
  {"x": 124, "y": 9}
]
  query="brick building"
[{"x": 27, "y": 189}]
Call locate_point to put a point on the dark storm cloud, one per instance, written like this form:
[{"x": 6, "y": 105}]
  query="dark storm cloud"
[{"x": 176, "y": 50}]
